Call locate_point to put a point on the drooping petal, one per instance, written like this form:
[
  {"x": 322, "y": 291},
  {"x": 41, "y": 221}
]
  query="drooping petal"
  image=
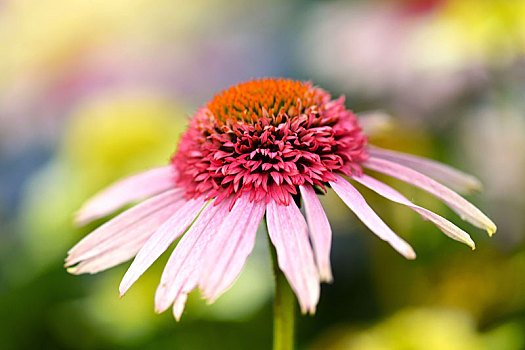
[
  {"x": 124, "y": 246},
  {"x": 128, "y": 224},
  {"x": 178, "y": 306},
  {"x": 230, "y": 247},
  {"x": 320, "y": 231},
  {"x": 182, "y": 269},
  {"x": 289, "y": 234},
  {"x": 447, "y": 175},
  {"x": 130, "y": 189},
  {"x": 110, "y": 258},
  {"x": 443, "y": 224},
  {"x": 457, "y": 203},
  {"x": 161, "y": 240},
  {"x": 355, "y": 201}
]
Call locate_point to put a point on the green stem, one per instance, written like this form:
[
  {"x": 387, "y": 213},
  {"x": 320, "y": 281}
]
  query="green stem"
[{"x": 283, "y": 309}]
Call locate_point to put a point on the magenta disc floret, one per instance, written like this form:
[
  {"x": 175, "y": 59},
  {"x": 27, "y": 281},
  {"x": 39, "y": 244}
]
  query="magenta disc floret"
[{"x": 266, "y": 137}]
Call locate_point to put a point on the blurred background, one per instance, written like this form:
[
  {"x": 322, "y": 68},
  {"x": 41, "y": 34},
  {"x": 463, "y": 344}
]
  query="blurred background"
[{"x": 93, "y": 90}]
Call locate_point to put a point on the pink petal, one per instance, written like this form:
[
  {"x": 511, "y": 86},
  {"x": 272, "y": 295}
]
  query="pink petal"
[
  {"x": 457, "y": 180},
  {"x": 289, "y": 234},
  {"x": 182, "y": 270},
  {"x": 457, "y": 203},
  {"x": 320, "y": 231},
  {"x": 178, "y": 306},
  {"x": 130, "y": 189},
  {"x": 230, "y": 247},
  {"x": 110, "y": 258},
  {"x": 131, "y": 223},
  {"x": 161, "y": 240},
  {"x": 444, "y": 225},
  {"x": 124, "y": 245},
  {"x": 355, "y": 201}
]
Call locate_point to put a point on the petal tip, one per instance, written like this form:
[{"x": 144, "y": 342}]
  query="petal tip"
[
  {"x": 208, "y": 299},
  {"x": 471, "y": 244},
  {"x": 304, "y": 310},
  {"x": 178, "y": 306},
  {"x": 406, "y": 250},
  {"x": 476, "y": 187},
  {"x": 472, "y": 185},
  {"x": 326, "y": 276},
  {"x": 207, "y": 294},
  {"x": 160, "y": 305},
  {"x": 122, "y": 291},
  {"x": 72, "y": 270},
  {"x": 308, "y": 310},
  {"x": 79, "y": 219},
  {"x": 86, "y": 214},
  {"x": 491, "y": 229}
]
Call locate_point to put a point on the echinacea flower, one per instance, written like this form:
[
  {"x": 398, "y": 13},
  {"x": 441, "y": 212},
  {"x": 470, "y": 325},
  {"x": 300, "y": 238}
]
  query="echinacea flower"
[{"x": 257, "y": 150}]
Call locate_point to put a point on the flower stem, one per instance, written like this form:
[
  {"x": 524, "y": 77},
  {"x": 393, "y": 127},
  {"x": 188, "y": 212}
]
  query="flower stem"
[{"x": 283, "y": 309}]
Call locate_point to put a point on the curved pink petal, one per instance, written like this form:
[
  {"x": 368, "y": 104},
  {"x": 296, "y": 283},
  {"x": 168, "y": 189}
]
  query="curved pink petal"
[
  {"x": 230, "y": 247},
  {"x": 161, "y": 240},
  {"x": 178, "y": 306},
  {"x": 124, "y": 245},
  {"x": 355, "y": 201},
  {"x": 182, "y": 269},
  {"x": 132, "y": 222},
  {"x": 456, "y": 179},
  {"x": 111, "y": 257},
  {"x": 320, "y": 231},
  {"x": 444, "y": 225},
  {"x": 289, "y": 234},
  {"x": 130, "y": 189},
  {"x": 457, "y": 203}
]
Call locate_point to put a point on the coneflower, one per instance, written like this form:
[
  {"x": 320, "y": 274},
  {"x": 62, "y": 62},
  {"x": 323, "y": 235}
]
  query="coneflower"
[{"x": 258, "y": 150}]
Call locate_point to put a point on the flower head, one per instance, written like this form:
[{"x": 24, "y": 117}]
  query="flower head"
[
  {"x": 257, "y": 149},
  {"x": 265, "y": 138}
]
